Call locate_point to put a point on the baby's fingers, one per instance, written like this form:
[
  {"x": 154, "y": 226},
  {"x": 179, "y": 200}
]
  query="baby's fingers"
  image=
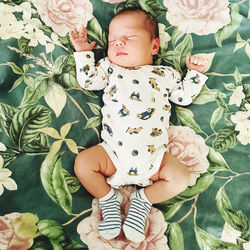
[
  {"x": 198, "y": 61},
  {"x": 83, "y": 32},
  {"x": 73, "y": 34}
]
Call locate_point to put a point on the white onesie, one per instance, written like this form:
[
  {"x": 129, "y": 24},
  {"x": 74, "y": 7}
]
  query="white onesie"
[{"x": 136, "y": 112}]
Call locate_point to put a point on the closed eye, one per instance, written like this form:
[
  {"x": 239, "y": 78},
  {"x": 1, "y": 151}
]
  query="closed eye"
[{"x": 130, "y": 37}]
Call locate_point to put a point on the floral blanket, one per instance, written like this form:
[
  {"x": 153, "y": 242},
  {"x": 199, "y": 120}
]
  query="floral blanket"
[{"x": 46, "y": 119}]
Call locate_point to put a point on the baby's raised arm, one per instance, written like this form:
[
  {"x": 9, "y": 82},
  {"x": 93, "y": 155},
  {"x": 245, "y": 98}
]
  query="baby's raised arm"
[{"x": 80, "y": 40}]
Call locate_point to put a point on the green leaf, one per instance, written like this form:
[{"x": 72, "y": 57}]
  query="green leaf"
[
  {"x": 7, "y": 113},
  {"x": 229, "y": 86},
  {"x": 26, "y": 122},
  {"x": 17, "y": 83},
  {"x": 72, "y": 182},
  {"x": 15, "y": 68},
  {"x": 23, "y": 44},
  {"x": 225, "y": 139},
  {"x": 237, "y": 76},
  {"x": 96, "y": 109},
  {"x": 42, "y": 243},
  {"x": 208, "y": 95},
  {"x": 33, "y": 94},
  {"x": 186, "y": 118},
  {"x": 94, "y": 30},
  {"x": 64, "y": 72},
  {"x": 216, "y": 116},
  {"x": 235, "y": 219},
  {"x": 54, "y": 182},
  {"x": 175, "y": 236},
  {"x": 93, "y": 122},
  {"x": 184, "y": 48},
  {"x": 217, "y": 162},
  {"x": 228, "y": 30},
  {"x": 58, "y": 65},
  {"x": 207, "y": 241},
  {"x": 202, "y": 184},
  {"x": 152, "y": 6},
  {"x": 41, "y": 142},
  {"x": 171, "y": 210},
  {"x": 176, "y": 35},
  {"x": 53, "y": 230}
]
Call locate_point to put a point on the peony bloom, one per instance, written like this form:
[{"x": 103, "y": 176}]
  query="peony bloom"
[
  {"x": 63, "y": 15},
  {"x": 198, "y": 16},
  {"x": 17, "y": 231},
  {"x": 190, "y": 149},
  {"x": 154, "y": 229}
]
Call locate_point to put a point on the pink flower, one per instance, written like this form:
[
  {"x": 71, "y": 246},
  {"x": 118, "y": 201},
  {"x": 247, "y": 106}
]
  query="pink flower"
[
  {"x": 17, "y": 231},
  {"x": 154, "y": 229},
  {"x": 190, "y": 149},
  {"x": 113, "y": 1},
  {"x": 198, "y": 16},
  {"x": 63, "y": 15}
]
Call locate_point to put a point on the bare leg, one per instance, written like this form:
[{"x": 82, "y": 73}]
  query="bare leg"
[
  {"x": 91, "y": 167},
  {"x": 171, "y": 179}
]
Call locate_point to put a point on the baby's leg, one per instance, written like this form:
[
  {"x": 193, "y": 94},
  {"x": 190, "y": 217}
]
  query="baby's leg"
[
  {"x": 171, "y": 179},
  {"x": 91, "y": 167}
]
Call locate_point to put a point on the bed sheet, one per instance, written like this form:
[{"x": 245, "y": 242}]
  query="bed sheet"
[{"x": 46, "y": 119}]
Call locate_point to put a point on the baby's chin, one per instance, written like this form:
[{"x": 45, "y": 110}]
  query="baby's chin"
[{"x": 125, "y": 64}]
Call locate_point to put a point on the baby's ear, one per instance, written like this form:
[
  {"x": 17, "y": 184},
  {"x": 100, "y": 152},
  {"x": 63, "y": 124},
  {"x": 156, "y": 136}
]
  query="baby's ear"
[{"x": 156, "y": 45}]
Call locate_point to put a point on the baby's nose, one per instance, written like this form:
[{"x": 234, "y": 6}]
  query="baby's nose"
[{"x": 119, "y": 42}]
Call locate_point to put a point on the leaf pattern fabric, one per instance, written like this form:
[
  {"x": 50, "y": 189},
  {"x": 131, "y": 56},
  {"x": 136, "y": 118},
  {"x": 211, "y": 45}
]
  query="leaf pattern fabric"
[{"x": 46, "y": 118}]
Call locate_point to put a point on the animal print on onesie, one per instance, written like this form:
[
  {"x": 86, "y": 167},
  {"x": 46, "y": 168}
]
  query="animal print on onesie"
[{"x": 136, "y": 112}]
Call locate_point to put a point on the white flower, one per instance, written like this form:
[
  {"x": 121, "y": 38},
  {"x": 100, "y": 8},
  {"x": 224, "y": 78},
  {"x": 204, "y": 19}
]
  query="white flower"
[
  {"x": 5, "y": 180},
  {"x": 241, "y": 120},
  {"x": 164, "y": 36},
  {"x": 229, "y": 234},
  {"x": 6, "y": 14},
  {"x": 244, "y": 137},
  {"x": 246, "y": 246},
  {"x": 237, "y": 96},
  {"x": 35, "y": 36},
  {"x": 11, "y": 30}
]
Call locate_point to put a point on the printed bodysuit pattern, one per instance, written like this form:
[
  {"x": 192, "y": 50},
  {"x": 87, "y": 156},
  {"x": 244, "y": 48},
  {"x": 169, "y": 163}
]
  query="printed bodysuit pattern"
[{"x": 136, "y": 112}]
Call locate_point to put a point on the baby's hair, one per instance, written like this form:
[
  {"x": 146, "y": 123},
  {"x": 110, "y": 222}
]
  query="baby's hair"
[{"x": 151, "y": 23}]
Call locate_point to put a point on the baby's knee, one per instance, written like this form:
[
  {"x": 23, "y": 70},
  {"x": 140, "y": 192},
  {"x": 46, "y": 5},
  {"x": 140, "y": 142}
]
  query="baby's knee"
[{"x": 81, "y": 163}]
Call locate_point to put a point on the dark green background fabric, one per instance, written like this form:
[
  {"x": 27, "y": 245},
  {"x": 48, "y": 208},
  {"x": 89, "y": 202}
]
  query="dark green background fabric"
[{"x": 23, "y": 121}]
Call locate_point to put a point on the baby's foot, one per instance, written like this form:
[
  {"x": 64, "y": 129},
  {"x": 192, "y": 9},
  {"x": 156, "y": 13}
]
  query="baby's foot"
[
  {"x": 134, "y": 224},
  {"x": 110, "y": 205}
]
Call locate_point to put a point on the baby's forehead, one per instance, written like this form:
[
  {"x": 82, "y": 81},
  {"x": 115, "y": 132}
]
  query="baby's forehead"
[{"x": 128, "y": 21}]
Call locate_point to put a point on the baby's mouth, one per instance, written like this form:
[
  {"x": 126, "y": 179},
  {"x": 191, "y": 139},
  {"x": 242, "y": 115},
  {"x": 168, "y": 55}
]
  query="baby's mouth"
[{"x": 120, "y": 53}]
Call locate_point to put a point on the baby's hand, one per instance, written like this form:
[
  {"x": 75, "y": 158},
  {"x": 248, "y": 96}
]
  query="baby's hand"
[
  {"x": 80, "y": 40},
  {"x": 196, "y": 63}
]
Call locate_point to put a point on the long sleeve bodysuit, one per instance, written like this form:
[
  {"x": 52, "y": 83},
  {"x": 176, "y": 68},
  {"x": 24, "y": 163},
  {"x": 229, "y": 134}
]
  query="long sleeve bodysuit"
[{"x": 136, "y": 112}]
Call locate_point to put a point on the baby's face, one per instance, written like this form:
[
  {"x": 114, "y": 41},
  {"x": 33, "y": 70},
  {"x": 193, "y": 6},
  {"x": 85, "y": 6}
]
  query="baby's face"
[{"x": 130, "y": 43}]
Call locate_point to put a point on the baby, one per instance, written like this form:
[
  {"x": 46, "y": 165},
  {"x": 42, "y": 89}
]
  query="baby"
[{"x": 135, "y": 123}]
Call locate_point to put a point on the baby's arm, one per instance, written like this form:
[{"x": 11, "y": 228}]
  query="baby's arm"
[
  {"x": 89, "y": 76},
  {"x": 184, "y": 91},
  {"x": 80, "y": 40}
]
